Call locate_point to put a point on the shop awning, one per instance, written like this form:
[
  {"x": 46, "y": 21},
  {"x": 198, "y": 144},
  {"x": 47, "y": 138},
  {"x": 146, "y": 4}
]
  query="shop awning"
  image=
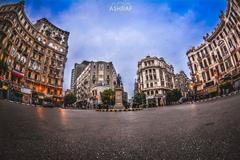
[
  {"x": 17, "y": 74},
  {"x": 212, "y": 89}
]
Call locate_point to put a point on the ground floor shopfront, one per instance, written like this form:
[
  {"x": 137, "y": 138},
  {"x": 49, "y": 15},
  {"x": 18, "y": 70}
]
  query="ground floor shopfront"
[{"x": 156, "y": 101}]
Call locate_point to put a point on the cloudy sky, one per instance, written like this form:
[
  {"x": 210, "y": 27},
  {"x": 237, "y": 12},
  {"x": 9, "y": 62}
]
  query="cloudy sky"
[{"x": 102, "y": 30}]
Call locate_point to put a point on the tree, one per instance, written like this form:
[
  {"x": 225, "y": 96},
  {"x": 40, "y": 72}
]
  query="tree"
[
  {"x": 3, "y": 67},
  {"x": 173, "y": 96},
  {"x": 108, "y": 97},
  {"x": 225, "y": 86},
  {"x": 139, "y": 99},
  {"x": 69, "y": 99}
]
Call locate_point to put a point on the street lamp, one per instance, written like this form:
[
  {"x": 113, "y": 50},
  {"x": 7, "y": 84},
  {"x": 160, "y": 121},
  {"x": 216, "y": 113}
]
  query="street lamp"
[{"x": 216, "y": 76}]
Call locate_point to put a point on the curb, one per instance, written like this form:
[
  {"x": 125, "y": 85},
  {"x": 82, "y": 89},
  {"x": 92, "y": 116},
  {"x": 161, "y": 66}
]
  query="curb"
[
  {"x": 119, "y": 110},
  {"x": 217, "y": 97}
]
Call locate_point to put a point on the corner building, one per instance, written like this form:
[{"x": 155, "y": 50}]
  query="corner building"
[
  {"x": 217, "y": 59},
  {"x": 154, "y": 78},
  {"x": 94, "y": 79},
  {"x": 35, "y": 53}
]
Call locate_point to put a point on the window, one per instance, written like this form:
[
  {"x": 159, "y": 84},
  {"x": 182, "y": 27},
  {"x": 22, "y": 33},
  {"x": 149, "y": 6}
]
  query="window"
[
  {"x": 203, "y": 76},
  {"x": 210, "y": 47},
  {"x": 212, "y": 72},
  {"x": 195, "y": 67},
  {"x": 155, "y": 77},
  {"x": 219, "y": 54},
  {"x": 208, "y": 76},
  {"x": 209, "y": 61},
  {"x": 224, "y": 50},
  {"x": 201, "y": 65},
  {"x": 230, "y": 43},
  {"x": 151, "y": 77},
  {"x": 228, "y": 63},
  {"x": 222, "y": 67},
  {"x": 214, "y": 58},
  {"x": 193, "y": 58}
]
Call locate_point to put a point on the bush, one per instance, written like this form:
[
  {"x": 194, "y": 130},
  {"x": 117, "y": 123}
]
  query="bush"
[
  {"x": 173, "y": 96},
  {"x": 139, "y": 100},
  {"x": 108, "y": 98}
]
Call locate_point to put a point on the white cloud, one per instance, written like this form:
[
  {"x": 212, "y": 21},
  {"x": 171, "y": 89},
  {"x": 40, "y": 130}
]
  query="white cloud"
[{"x": 126, "y": 37}]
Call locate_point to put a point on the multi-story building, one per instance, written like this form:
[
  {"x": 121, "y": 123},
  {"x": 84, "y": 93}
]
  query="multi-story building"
[
  {"x": 217, "y": 59},
  {"x": 182, "y": 82},
  {"x": 35, "y": 53},
  {"x": 155, "y": 78},
  {"x": 94, "y": 79},
  {"x": 76, "y": 71}
]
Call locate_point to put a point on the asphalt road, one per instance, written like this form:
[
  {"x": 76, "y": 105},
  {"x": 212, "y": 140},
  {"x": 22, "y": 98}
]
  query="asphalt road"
[{"x": 188, "y": 132}]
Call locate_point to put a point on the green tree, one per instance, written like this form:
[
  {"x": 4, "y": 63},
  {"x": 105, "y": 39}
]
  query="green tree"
[
  {"x": 227, "y": 85},
  {"x": 3, "y": 67},
  {"x": 173, "y": 96},
  {"x": 108, "y": 97},
  {"x": 139, "y": 99},
  {"x": 69, "y": 99}
]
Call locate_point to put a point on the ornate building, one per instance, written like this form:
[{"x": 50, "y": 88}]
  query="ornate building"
[
  {"x": 218, "y": 58},
  {"x": 154, "y": 78},
  {"x": 35, "y": 53},
  {"x": 76, "y": 71},
  {"x": 95, "y": 78},
  {"x": 182, "y": 82}
]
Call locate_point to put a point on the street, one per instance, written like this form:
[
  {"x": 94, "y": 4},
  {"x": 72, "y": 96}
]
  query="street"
[{"x": 188, "y": 132}]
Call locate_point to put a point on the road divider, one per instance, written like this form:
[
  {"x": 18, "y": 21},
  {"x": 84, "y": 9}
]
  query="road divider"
[{"x": 119, "y": 110}]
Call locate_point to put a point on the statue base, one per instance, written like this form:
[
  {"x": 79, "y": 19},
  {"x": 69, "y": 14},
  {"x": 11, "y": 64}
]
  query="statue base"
[{"x": 119, "y": 99}]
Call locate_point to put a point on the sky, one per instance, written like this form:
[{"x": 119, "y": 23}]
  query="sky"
[{"x": 125, "y": 31}]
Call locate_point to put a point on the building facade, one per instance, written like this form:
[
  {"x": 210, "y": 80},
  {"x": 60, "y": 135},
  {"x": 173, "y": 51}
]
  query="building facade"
[
  {"x": 217, "y": 59},
  {"x": 76, "y": 71},
  {"x": 154, "y": 78},
  {"x": 94, "y": 79},
  {"x": 182, "y": 82},
  {"x": 34, "y": 53}
]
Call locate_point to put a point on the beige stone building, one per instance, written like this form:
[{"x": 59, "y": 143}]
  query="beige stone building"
[
  {"x": 94, "y": 79},
  {"x": 35, "y": 53},
  {"x": 182, "y": 82},
  {"x": 154, "y": 78},
  {"x": 217, "y": 59},
  {"x": 76, "y": 71}
]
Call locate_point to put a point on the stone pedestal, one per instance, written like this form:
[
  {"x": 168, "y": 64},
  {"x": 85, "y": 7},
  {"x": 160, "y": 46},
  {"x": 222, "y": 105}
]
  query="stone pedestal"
[{"x": 119, "y": 98}]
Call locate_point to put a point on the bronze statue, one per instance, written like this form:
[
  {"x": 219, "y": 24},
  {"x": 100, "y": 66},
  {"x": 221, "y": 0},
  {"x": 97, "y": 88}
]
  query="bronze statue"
[{"x": 119, "y": 81}]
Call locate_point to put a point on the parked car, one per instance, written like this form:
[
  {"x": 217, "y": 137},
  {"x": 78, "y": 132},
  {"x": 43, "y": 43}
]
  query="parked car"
[
  {"x": 182, "y": 100},
  {"x": 47, "y": 104}
]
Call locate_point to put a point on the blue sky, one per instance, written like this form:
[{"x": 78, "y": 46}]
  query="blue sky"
[{"x": 163, "y": 28}]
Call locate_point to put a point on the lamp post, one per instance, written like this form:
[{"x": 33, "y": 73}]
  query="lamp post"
[{"x": 216, "y": 76}]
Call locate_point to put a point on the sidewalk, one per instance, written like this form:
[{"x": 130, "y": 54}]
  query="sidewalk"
[
  {"x": 217, "y": 97},
  {"x": 10, "y": 101}
]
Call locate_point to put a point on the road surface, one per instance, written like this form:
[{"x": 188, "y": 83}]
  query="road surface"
[{"x": 187, "y": 132}]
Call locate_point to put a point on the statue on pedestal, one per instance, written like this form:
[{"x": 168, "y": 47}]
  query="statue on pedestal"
[
  {"x": 119, "y": 81},
  {"x": 119, "y": 94}
]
